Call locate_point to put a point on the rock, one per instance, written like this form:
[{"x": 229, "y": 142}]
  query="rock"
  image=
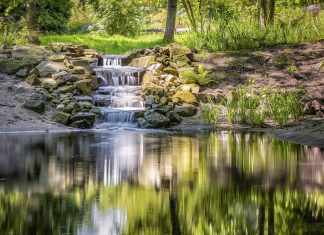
[
  {"x": 177, "y": 50},
  {"x": 143, "y": 62},
  {"x": 66, "y": 89},
  {"x": 71, "y": 107},
  {"x": 83, "y": 120},
  {"x": 143, "y": 123},
  {"x": 174, "y": 117},
  {"x": 85, "y": 106},
  {"x": 49, "y": 83},
  {"x": 68, "y": 64},
  {"x": 155, "y": 67},
  {"x": 163, "y": 109},
  {"x": 193, "y": 88},
  {"x": 78, "y": 70},
  {"x": 33, "y": 52},
  {"x": 84, "y": 98},
  {"x": 171, "y": 70},
  {"x": 61, "y": 117},
  {"x": 156, "y": 119},
  {"x": 185, "y": 97},
  {"x": 33, "y": 80},
  {"x": 150, "y": 100},
  {"x": 148, "y": 77},
  {"x": 22, "y": 73},
  {"x": 57, "y": 58},
  {"x": 35, "y": 103},
  {"x": 12, "y": 66},
  {"x": 47, "y": 68},
  {"x": 85, "y": 86},
  {"x": 185, "y": 110},
  {"x": 153, "y": 89}
]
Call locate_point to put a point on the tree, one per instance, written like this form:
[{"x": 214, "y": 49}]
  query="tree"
[
  {"x": 171, "y": 21},
  {"x": 266, "y": 12},
  {"x": 31, "y": 21}
]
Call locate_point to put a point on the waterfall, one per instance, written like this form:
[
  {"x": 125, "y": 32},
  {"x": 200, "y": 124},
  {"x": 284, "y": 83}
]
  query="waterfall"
[{"x": 119, "y": 93}]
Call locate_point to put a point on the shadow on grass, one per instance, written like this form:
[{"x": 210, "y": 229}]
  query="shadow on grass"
[{"x": 106, "y": 43}]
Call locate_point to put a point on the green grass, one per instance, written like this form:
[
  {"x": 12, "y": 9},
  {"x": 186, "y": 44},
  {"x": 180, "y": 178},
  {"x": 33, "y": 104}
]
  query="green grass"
[{"x": 107, "y": 44}]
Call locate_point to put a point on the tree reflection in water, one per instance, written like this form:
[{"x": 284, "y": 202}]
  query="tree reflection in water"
[{"x": 136, "y": 183}]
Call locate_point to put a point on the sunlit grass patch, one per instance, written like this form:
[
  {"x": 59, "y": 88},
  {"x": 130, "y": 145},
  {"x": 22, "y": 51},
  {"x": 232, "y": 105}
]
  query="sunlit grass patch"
[{"x": 105, "y": 43}]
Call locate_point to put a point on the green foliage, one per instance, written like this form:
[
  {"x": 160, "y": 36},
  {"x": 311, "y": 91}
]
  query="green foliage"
[
  {"x": 283, "y": 106},
  {"x": 238, "y": 28},
  {"x": 211, "y": 112},
  {"x": 53, "y": 15},
  {"x": 200, "y": 77},
  {"x": 246, "y": 106},
  {"x": 121, "y": 16}
]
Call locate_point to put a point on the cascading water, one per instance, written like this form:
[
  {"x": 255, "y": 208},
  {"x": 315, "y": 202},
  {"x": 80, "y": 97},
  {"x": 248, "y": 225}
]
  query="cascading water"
[{"x": 119, "y": 93}]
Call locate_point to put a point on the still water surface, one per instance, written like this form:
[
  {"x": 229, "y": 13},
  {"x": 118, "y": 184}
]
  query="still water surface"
[{"x": 126, "y": 182}]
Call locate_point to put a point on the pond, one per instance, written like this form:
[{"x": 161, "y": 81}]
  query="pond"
[{"x": 135, "y": 182}]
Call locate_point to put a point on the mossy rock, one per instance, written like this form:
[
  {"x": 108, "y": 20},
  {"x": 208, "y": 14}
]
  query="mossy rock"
[
  {"x": 184, "y": 97},
  {"x": 61, "y": 117}
]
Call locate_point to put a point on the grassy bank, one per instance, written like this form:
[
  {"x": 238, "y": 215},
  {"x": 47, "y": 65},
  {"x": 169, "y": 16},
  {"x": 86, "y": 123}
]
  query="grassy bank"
[{"x": 105, "y": 43}]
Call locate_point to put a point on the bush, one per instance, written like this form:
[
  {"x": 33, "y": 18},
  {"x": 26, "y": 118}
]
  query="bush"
[
  {"x": 121, "y": 16},
  {"x": 211, "y": 112},
  {"x": 53, "y": 15}
]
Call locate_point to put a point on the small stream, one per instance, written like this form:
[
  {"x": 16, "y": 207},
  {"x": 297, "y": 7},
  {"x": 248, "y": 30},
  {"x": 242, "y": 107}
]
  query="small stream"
[
  {"x": 119, "y": 94},
  {"x": 135, "y": 182}
]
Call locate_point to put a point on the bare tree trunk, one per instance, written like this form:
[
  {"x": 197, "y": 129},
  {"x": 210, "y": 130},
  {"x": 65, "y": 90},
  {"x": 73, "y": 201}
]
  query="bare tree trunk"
[
  {"x": 171, "y": 21},
  {"x": 190, "y": 14},
  {"x": 32, "y": 28},
  {"x": 266, "y": 12}
]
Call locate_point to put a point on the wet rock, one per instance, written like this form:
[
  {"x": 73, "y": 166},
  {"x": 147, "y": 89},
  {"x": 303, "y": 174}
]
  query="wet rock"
[
  {"x": 185, "y": 110},
  {"x": 143, "y": 123},
  {"x": 156, "y": 120},
  {"x": 84, "y": 98},
  {"x": 185, "y": 97},
  {"x": 85, "y": 106},
  {"x": 171, "y": 70},
  {"x": 61, "y": 117},
  {"x": 35, "y": 103},
  {"x": 47, "y": 68}
]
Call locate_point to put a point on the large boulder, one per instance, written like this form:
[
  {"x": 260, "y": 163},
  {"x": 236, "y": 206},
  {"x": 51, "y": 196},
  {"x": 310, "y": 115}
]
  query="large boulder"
[
  {"x": 30, "y": 52},
  {"x": 184, "y": 97},
  {"x": 156, "y": 120},
  {"x": 185, "y": 110},
  {"x": 49, "y": 83},
  {"x": 35, "y": 103},
  {"x": 47, "y": 68}
]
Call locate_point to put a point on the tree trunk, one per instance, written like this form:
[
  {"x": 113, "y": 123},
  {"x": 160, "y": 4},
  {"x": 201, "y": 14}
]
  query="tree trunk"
[
  {"x": 171, "y": 21},
  {"x": 32, "y": 28},
  {"x": 266, "y": 12}
]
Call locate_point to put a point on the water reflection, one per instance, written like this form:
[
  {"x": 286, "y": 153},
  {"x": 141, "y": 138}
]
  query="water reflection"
[{"x": 136, "y": 183}]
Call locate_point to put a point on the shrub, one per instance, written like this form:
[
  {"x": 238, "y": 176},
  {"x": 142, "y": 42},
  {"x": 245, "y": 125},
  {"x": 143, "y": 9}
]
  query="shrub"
[
  {"x": 121, "y": 16},
  {"x": 53, "y": 15}
]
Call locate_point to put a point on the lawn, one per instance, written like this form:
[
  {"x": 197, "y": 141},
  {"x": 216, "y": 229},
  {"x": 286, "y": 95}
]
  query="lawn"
[{"x": 106, "y": 43}]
